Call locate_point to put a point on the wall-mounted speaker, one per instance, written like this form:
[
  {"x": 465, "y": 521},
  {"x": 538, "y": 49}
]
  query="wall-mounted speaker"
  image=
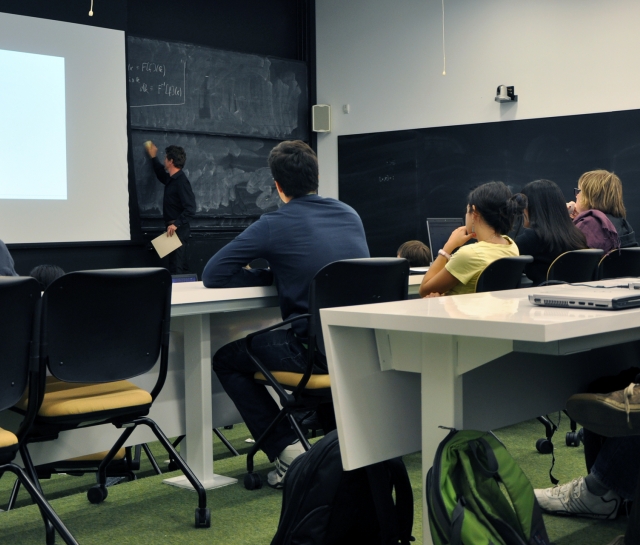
[{"x": 321, "y": 118}]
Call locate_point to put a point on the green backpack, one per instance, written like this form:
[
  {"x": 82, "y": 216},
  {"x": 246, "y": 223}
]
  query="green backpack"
[{"x": 467, "y": 505}]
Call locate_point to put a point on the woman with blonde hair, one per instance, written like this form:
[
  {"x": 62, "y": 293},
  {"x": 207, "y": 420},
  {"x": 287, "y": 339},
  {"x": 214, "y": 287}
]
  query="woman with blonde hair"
[{"x": 599, "y": 211}]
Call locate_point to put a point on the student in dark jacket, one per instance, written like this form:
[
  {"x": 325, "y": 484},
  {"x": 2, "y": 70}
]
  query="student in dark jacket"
[
  {"x": 306, "y": 233},
  {"x": 548, "y": 231},
  {"x": 599, "y": 210}
]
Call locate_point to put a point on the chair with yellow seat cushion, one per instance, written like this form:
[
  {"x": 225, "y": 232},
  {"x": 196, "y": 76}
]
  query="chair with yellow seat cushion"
[
  {"x": 99, "y": 329},
  {"x": 125, "y": 462},
  {"x": 342, "y": 283},
  {"x": 19, "y": 302}
]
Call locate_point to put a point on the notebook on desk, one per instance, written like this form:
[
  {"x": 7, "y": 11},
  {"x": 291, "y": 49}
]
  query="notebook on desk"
[
  {"x": 595, "y": 298},
  {"x": 439, "y": 230}
]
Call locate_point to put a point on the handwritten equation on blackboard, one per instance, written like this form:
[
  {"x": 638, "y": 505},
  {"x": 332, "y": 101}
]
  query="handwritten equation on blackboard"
[
  {"x": 151, "y": 85},
  {"x": 189, "y": 88}
]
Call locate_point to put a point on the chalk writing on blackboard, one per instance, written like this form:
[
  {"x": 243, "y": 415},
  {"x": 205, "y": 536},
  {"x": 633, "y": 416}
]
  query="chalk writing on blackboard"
[
  {"x": 218, "y": 92},
  {"x": 150, "y": 84}
]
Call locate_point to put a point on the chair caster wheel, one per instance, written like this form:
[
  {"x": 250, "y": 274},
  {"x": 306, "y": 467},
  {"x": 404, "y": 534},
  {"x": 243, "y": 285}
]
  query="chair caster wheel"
[
  {"x": 203, "y": 517},
  {"x": 544, "y": 446},
  {"x": 573, "y": 438},
  {"x": 97, "y": 493},
  {"x": 252, "y": 481}
]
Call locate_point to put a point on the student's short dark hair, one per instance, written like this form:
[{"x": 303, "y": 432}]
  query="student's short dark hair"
[
  {"x": 177, "y": 155},
  {"x": 45, "y": 274},
  {"x": 497, "y": 206},
  {"x": 416, "y": 253},
  {"x": 294, "y": 165}
]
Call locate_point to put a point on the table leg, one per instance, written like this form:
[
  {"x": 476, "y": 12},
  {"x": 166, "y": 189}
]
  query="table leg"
[
  {"x": 197, "y": 447},
  {"x": 441, "y": 405}
]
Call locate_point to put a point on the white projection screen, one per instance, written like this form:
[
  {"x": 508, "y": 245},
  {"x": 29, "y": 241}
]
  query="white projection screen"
[{"x": 63, "y": 132}]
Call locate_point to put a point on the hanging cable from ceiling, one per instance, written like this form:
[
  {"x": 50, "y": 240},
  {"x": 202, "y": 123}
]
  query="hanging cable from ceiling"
[
  {"x": 91, "y": 9},
  {"x": 444, "y": 56}
]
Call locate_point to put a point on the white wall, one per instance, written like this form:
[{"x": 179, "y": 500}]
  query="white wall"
[{"x": 384, "y": 58}]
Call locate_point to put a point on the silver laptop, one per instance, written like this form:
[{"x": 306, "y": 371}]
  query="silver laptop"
[
  {"x": 439, "y": 230},
  {"x": 585, "y": 297}
]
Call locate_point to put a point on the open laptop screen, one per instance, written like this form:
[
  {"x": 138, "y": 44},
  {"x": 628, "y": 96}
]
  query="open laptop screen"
[{"x": 440, "y": 230}]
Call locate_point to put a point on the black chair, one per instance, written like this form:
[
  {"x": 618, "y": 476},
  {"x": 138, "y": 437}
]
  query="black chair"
[
  {"x": 570, "y": 267},
  {"x": 342, "y": 283},
  {"x": 620, "y": 263},
  {"x": 503, "y": 274},
  {"x": 575, "y": 266},
  {"x": 19, "y": 306},
  {"x": 98, "y": 329}
]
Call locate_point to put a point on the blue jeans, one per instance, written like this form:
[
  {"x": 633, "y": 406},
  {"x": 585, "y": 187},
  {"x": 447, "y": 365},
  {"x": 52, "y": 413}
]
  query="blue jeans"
[
  {"x": 618, "y": 464},
  {"x": 278, "y": 350}
]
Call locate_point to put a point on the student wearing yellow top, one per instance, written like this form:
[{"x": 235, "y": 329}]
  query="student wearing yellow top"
[{"x": 491, "y": 211}]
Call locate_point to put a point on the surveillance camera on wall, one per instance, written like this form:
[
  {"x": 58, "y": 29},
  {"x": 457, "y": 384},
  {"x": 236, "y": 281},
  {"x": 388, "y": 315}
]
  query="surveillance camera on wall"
[{"x": 506, "y": 94}]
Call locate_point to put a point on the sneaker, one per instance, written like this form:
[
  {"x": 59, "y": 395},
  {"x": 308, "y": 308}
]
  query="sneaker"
[
  {"x": 575, "y": 499},
  {"x": 611, "y": 415},
  {"x": 275, "y": 478}
]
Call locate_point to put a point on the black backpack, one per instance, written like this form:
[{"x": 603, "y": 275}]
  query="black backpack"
[{"x": 324, "y": 505}]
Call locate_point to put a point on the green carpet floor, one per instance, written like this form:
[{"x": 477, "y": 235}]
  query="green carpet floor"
[{"x": 146, "y": 511}]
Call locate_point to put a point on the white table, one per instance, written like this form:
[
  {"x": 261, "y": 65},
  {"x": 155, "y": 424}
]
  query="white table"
[
  {"x": 479, "y": 361},
  {"x": 209, "y": 319},
  {"x": 190, "y": 402}
]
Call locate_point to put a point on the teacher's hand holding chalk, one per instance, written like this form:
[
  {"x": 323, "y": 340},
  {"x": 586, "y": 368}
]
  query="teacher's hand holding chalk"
[{"x": 151, "y": 148}]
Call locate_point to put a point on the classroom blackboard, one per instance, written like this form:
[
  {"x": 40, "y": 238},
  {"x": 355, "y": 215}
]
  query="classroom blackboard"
[
  {"x": 396, "y": 180},
  {"x": 183, "y": 87},
  {"x": 229, "y": 176}
]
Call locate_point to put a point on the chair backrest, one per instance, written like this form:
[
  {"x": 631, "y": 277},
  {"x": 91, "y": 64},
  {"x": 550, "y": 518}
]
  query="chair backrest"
[
  {"x": 503, "y": 274},
  {"x": 575, "y": 266},
  {"x": 620, "y": 263},
  {"x": 18, "y": 299},
  {"x": 355, "y": 282},
  {"x": 105, "y": 325}
]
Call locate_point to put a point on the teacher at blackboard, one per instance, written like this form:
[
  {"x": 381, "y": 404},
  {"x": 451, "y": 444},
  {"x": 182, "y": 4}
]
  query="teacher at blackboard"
[{"x": 179, "y": 203}]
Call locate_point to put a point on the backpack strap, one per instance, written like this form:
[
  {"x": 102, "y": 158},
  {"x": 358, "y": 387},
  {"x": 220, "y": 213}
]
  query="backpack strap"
[
  {"x": 457, "y": 517},
  {"x": 517, "y": 487},
  {"x": 381, "y": 487},
  {"x": 383, "y": 478},
  {"x": 404, "y": 499}
]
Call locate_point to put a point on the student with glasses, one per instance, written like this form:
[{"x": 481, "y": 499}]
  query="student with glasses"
[{"x": 599, "y": 211}]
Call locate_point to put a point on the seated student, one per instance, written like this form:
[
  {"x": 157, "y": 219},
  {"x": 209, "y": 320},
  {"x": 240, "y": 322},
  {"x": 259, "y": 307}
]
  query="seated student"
[
  {"x": 613, "y": 462},
  {"x": 617, "y": 415},
  {"x": 305, "y": 234},
  {"x": 45, "y": 274},
  {"x": 6, "y": 261},
  {"x": 416, "y": 253},
  {"x": 548, "y": 231},
  {"x": 491, "y": 211},
  {"x": 599, "y": 211}
]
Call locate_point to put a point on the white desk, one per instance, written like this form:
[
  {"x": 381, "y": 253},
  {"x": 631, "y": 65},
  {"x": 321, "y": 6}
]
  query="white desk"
[
  {"x": 211, "y": 318},
  {"x": 479, "y": 361},
  {"x": 202, "y": 321}
]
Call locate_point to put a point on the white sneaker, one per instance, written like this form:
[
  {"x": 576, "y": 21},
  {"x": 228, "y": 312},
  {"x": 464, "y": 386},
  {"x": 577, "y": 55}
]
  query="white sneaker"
[
  {"x": 275, "y": 478},
  {"x": 575, "y": 499}
]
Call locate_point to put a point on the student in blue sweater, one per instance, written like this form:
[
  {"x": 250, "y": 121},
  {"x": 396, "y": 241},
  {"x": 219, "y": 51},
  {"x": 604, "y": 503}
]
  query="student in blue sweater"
[{"x": 306, "y": 233}]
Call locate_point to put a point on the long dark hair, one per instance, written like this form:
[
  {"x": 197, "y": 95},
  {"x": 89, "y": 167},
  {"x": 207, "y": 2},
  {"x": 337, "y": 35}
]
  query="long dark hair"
[
  {"x": 549, "y": 219},
  {"x": 497, "y": 206}
]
